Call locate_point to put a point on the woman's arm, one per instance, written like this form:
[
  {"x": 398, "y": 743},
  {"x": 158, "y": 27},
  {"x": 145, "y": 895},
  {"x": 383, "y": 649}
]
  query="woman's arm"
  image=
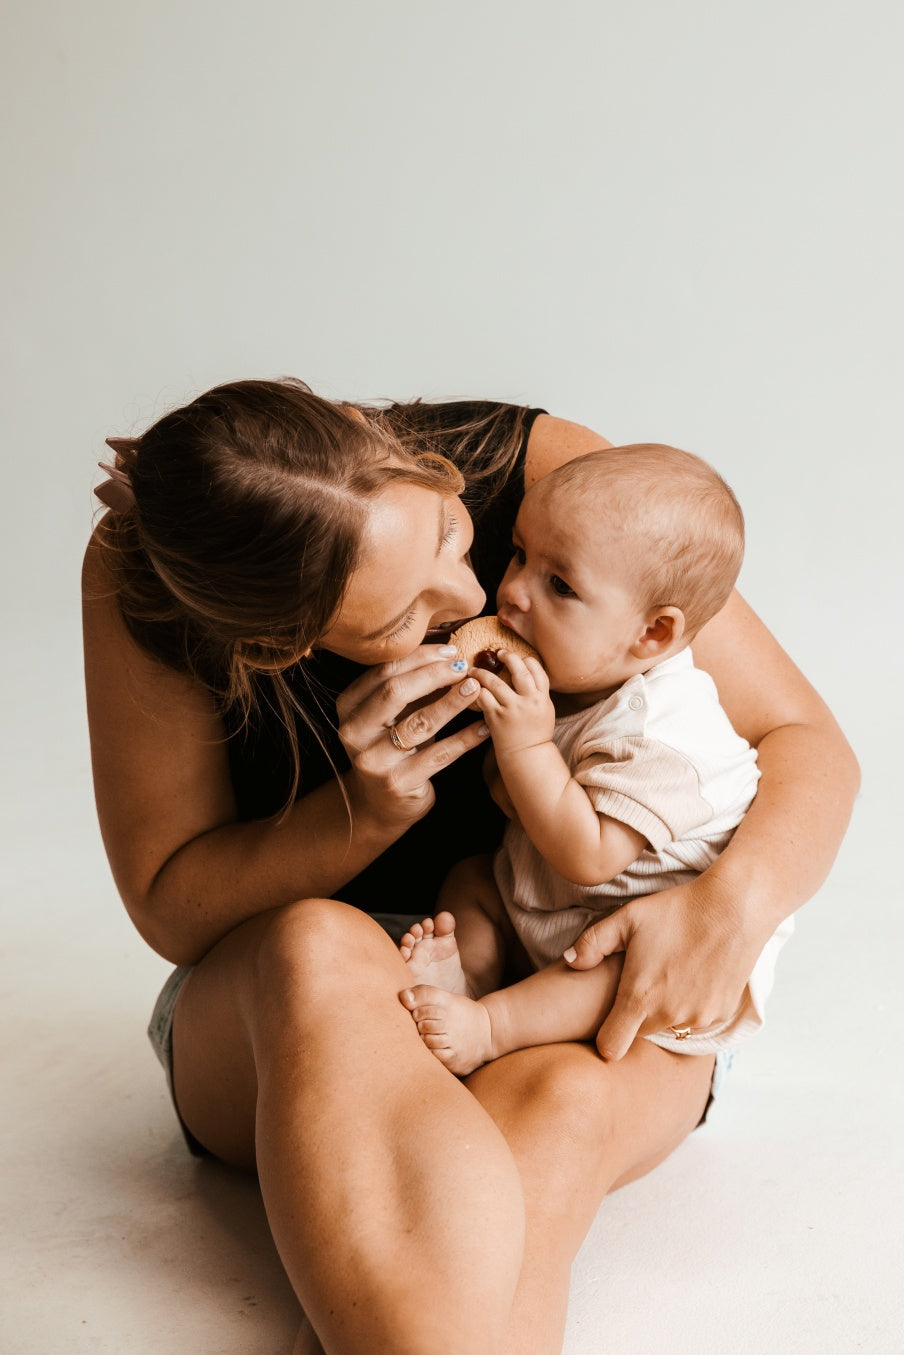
[
  {"x": 786, "y": 844},
  {"x": 187, "y": 871},
  {"x": 779, "y": 855}
]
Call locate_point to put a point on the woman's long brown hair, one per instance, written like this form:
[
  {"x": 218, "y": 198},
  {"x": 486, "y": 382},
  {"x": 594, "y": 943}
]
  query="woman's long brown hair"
[{"x": 250, "y": 503}]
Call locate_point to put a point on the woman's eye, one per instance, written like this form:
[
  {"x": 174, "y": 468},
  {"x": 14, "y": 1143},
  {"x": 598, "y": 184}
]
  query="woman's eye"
[
  {"x": 399, "y": 630},
  {"x": 451, "y": 531},
  {"x": 561, "y": 587},
  {"x": 518, "y": 555}
]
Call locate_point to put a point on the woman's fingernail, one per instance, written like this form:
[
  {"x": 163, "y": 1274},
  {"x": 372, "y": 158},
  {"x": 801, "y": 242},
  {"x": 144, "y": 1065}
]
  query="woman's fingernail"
[
  {"x": 460, "y": 666},
  {"x": 483, "y": 731},
  {"x": 468, "y": 688},
  {"x": 569, "y": 955},
  {"x": 446, "y": 651}
]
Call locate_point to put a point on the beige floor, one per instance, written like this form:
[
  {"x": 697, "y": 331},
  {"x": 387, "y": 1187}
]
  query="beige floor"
[{"x": 774, "y": 1229}]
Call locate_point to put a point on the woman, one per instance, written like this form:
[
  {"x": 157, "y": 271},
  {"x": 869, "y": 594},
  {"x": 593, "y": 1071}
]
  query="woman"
[{"x": 273, "y": 561}]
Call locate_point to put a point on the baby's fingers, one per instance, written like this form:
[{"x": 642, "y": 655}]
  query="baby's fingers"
[{"x": 527, "y": 675}]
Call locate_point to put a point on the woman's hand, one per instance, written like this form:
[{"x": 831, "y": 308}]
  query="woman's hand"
[
  {"x": 688, "y": 956},
  {"x": 390, "y": 783}
]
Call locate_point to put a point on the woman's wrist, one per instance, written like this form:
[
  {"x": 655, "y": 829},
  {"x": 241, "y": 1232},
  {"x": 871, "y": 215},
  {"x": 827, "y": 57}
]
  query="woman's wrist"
[{"x": 379, "y": 821}]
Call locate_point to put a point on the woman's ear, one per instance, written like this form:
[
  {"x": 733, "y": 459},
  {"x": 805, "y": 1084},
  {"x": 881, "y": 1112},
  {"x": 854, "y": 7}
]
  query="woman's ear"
[{"x": 663, "y": 630}]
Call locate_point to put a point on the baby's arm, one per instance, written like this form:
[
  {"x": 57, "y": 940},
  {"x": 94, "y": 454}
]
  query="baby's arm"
[
  {"x": 554, "y": 809},
  {"x": 560, "y": 820}
]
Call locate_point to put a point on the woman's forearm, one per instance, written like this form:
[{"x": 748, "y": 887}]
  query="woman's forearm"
[
  {"x": 231, "y": 873},
  {"x": 784, "y": 848}
]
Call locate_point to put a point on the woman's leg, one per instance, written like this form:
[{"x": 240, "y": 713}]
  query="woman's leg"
[
  {"x": 383, "y": 1178},
  {"x": 579, "y": 1128},
  {"x": 377, "y": 1166}
]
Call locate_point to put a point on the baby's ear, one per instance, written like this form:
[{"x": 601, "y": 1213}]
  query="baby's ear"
[{"x": 663, "y": 630}]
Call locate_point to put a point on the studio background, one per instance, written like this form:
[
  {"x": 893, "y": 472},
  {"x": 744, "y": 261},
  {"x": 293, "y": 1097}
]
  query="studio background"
[{"x": 675, "y": 222}]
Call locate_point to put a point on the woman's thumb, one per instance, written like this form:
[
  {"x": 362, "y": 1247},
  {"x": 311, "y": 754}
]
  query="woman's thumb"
[{"x": 599, "y": 940}]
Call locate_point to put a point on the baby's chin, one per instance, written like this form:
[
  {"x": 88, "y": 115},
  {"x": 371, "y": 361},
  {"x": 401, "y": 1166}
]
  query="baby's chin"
[{"x": 573, "y": 694}]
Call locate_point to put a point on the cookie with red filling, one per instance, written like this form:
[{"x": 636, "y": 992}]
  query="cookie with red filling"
[{"x": 479, "y": 641}]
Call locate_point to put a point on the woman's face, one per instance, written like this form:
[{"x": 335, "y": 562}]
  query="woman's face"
[{"x": 414, "y": 575}]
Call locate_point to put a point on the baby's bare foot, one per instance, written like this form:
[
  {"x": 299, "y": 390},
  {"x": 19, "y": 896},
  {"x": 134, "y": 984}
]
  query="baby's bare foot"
[
  {"x": 431, "y": 953},
  {"x": 454, "y": 1028}
]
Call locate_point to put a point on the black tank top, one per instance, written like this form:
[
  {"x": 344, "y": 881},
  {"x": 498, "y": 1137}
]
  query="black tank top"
[{"x": 464, "y": 820}]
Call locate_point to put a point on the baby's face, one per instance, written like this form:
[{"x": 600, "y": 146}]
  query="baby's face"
[{"x": 565, "y": 592}]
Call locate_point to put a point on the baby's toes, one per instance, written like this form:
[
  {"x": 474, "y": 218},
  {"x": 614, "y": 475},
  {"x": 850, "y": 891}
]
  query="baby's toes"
[{"x": 437, "y": 1044}]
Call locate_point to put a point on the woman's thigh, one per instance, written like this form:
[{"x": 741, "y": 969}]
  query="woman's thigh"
[
  {"x": 300, "y": 971},
  {"x": 214, "y": 1074},
  {"x": 565, "y": 1112}
]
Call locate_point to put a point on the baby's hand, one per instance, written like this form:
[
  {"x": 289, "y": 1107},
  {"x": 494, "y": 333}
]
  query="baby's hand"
[{"x": 521, "y": 715}]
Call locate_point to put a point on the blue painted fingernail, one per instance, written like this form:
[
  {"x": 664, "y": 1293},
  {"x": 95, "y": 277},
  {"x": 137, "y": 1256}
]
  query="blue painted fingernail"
[{"x": 460, "y": 665}]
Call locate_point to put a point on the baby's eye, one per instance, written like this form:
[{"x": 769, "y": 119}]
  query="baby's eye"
[
  {"x": 518, "y": 555},
  {"x": 561, "y": 587}
]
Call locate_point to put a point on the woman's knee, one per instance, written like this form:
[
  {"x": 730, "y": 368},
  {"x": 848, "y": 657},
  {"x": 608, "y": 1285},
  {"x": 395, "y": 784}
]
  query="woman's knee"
[
  {"x": 565, "y": 1087},
  {"x": 305, "y": 946}
]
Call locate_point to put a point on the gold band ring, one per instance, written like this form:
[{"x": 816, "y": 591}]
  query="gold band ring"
[
  {"x": 399, "y": 742},
  {"x": 680, "y": 1032}
]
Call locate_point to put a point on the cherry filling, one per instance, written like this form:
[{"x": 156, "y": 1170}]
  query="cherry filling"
[{"x": 489, "y": 661}]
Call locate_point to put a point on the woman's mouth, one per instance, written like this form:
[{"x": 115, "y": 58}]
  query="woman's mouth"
[{"x": 443, "y": 631}]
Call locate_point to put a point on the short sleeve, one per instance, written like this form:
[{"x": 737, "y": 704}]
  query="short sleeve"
[{"x": 646, "y": 785}]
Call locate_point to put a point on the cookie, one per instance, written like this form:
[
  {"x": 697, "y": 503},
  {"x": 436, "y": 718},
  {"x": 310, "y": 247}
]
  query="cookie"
[{"x": 480, "y": 639}]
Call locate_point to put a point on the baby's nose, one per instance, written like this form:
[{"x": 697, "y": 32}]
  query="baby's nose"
[{"x": 512, "y": 592}]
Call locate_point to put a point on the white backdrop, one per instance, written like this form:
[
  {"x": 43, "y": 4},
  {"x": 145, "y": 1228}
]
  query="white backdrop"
[{"x": 669, "y": 221}]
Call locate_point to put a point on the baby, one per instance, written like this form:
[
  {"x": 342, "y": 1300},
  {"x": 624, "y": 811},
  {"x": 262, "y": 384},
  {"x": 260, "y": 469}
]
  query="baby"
[{"x": 618, "y": 768}]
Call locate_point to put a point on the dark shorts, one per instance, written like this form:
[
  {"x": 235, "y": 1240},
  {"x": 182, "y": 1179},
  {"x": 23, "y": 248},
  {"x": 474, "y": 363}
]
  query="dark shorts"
[{"x": 160, "y": 1029}]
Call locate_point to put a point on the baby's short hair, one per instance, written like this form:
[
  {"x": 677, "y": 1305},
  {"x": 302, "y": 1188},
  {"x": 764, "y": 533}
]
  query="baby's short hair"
[{"x": 679, "y": 523}]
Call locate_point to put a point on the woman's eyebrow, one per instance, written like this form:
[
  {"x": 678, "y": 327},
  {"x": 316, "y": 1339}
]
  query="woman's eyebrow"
[{"x": 396, "y": 620}]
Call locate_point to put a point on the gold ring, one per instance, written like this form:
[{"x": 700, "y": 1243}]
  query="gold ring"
[
  {"x": 680, "y": 1032},
  {"x": 399, "y": 742}
]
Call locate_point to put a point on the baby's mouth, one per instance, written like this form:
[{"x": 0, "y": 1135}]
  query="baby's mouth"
[{"x": 507, "y": 622}]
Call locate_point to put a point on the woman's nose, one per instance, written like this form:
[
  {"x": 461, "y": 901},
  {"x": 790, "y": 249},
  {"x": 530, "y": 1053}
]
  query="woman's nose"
[{"x": 466, "y": 595}]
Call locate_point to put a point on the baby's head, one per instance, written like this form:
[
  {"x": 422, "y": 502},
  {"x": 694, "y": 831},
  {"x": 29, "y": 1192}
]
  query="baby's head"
[{"x": 620, "y": 557}]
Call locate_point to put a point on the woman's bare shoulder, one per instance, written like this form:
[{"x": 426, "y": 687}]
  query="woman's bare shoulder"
[
  {"x": 143, "y": 680},
  {"x": 553, "y": 441}
]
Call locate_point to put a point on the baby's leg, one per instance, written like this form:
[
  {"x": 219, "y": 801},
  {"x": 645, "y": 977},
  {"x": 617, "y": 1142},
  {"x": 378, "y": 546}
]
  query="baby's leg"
[
  {"x": 462, "y": 949},
  {"x": 553, "y": 1006}
]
